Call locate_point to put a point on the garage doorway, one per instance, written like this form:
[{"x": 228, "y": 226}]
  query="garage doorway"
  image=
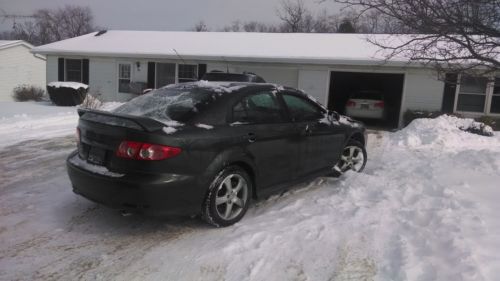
[{"x": 344, "y": 85}]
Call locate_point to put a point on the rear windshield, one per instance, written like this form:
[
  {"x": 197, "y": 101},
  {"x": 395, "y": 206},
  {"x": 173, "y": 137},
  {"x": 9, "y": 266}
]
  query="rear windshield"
[
  {"x": 369, "y": 95},
  {"x": 170, "y": 104}
]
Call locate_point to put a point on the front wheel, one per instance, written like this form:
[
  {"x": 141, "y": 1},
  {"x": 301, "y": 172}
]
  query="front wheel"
[
  {"x": 353, "y": 158},
  {"x": 228, "y": 197}
]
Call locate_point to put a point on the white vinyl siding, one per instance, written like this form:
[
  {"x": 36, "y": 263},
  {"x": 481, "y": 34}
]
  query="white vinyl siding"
[
  {"x": 18, "y": 66},
  {"x": 422, "y": 90}
]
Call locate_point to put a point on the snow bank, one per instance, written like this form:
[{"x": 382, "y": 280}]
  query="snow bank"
[
  {"x": 73, "y": 85},
  {"x": 22, "y": 121},
  {"x": 443, "y": 131}
]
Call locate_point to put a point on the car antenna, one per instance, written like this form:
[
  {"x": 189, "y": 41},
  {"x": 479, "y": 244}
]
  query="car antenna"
[
  {"x": 227, "y": 64},
  {"x": 184, "y": 62}
]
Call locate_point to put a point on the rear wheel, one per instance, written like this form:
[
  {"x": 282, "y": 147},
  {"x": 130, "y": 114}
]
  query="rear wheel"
[
  {"x": 353, "y": 158},
  {"x": 228, "y": 198}
]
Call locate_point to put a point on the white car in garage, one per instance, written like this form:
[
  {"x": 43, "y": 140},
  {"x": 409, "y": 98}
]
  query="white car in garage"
[{"x": 366, "y": 104}]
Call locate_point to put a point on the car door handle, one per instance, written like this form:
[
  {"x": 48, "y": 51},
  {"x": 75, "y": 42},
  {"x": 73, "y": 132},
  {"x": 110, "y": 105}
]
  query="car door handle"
[{"x": 251, "y": 137}]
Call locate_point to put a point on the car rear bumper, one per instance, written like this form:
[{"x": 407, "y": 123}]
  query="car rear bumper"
[
  {"x": 158, "y": 194},
  {"x": 365, "y": 113}
]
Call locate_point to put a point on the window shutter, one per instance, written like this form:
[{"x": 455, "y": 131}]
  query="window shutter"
[
  {"x": 85, "y": 69},
  {"x": 202, "y": 69},
  {"x": 151, "y": 75},
  {"x": 60, "y": 69},
  {"x": 450, "y": 87}
]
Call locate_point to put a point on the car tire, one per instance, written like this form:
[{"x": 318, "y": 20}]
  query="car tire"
[
  {"x": 353, "y": 157},
  {"x": 228, "y": 197}
]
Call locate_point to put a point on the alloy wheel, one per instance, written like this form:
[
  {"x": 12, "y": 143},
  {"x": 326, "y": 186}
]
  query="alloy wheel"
[
  {"x": 231, "y": 196},
  {"x": 352, "y": 159}
]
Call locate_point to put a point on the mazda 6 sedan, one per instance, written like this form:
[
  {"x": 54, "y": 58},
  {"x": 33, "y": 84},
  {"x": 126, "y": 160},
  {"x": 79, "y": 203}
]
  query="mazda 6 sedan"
[{"x": 209, "y": 148}]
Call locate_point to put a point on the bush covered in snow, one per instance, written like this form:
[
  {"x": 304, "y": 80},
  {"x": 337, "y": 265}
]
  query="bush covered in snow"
[
  {"x": 27, "y": 93},
  {"x": 91, "y": 102},
  {"x": 443, "y": 131}
]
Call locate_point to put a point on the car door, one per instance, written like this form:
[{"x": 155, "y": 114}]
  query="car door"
[
  {"x": 321, "y": 139},
  {"x": 260, "y": 121}
]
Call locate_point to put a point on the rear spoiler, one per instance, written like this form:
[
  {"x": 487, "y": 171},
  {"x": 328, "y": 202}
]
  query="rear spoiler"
[{"x": 145, "y": 123}]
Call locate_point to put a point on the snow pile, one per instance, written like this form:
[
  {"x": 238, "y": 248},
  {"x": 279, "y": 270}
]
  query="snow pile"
[
  {"x": 22, "y": 121},
  {"x": 73, "y": 85},
  {"x": 443, "y": 131}
]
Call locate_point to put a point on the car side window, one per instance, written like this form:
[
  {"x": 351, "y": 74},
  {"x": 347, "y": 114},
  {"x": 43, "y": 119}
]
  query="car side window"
[
  {"x": 301, "y": 109},
  {"x": 258, "y": 109}
]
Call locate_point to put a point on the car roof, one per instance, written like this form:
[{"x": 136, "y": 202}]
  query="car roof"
[{"x": 228, "y": 87}]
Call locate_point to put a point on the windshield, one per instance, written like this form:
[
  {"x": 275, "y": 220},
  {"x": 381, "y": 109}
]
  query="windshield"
[
  {"x": 369, "y": 95},
  {"x": 170, "y": 104}
]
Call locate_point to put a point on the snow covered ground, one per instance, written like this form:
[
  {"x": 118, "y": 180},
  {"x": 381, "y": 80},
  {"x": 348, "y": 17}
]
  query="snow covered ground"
[{"x": 424, "y": 209}]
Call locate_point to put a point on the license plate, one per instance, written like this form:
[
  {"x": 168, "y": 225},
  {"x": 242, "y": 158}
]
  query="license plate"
[
  {"x": 365, "y": 106},
  {"x": 97, "y": 156}
]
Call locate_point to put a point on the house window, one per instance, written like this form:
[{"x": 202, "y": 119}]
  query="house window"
[
  {"x": 73, "y": 70},
  {"x": 188, "y": 73},
  {"x": 165, "y": 74},
  {"x": 495, "y": 97},
  {"x": 472, "y": 94},
  {"x": 124, "y": 70}
]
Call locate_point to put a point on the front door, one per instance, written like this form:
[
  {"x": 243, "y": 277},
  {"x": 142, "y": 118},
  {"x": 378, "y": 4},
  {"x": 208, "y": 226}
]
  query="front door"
[
  {"x": 268, "y": 137},
  {"x": 320, "y": 140}
]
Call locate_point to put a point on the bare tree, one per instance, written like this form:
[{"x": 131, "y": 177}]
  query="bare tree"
[
  {"x": 54, "y": 25},
  {"x": 200, "y": 27},
  {"x": 451, "y": 35},
  {"x": 295, "y": 16}
]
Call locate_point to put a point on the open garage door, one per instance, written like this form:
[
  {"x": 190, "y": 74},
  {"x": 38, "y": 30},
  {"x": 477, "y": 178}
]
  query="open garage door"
[{"x": 360, "y": 87}]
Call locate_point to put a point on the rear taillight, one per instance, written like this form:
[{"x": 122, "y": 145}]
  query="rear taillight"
[
  {"x": 350, "y": 103},
  {"x": 379, "y": 104},
  {"x": 146, "y": 151}
]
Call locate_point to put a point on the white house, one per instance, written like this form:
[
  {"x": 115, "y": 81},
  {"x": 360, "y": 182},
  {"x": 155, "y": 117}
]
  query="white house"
[
  {"x": 19, "y": 66},
  {"x": 118, "y": 64}
]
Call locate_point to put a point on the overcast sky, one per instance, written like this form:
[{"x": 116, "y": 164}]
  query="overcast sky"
[{"x": 165, "y": 14}]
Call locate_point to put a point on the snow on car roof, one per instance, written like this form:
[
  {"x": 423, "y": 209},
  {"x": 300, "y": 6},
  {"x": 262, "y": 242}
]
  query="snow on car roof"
[{"x": 229, "y": 46}]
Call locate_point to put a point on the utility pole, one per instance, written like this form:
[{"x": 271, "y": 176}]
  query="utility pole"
[{"x": 4, "y": 16}]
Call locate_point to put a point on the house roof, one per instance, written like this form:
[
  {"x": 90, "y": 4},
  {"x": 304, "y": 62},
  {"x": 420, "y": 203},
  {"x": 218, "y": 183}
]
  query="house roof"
[
  {"x": 311, "y": 48},
  {"x": 11, "y": 43}
]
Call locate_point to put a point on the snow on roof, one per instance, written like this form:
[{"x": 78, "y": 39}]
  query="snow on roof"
[
  {"x": 10, "y": 43},
  {"x": 225, "y": 46}
]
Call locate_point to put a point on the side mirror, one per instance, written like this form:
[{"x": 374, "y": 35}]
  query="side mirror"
[{"x": 334, "y": 115}]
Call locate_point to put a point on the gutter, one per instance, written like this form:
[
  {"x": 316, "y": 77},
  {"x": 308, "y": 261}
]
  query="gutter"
[{"x": 239, "y": 59}]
